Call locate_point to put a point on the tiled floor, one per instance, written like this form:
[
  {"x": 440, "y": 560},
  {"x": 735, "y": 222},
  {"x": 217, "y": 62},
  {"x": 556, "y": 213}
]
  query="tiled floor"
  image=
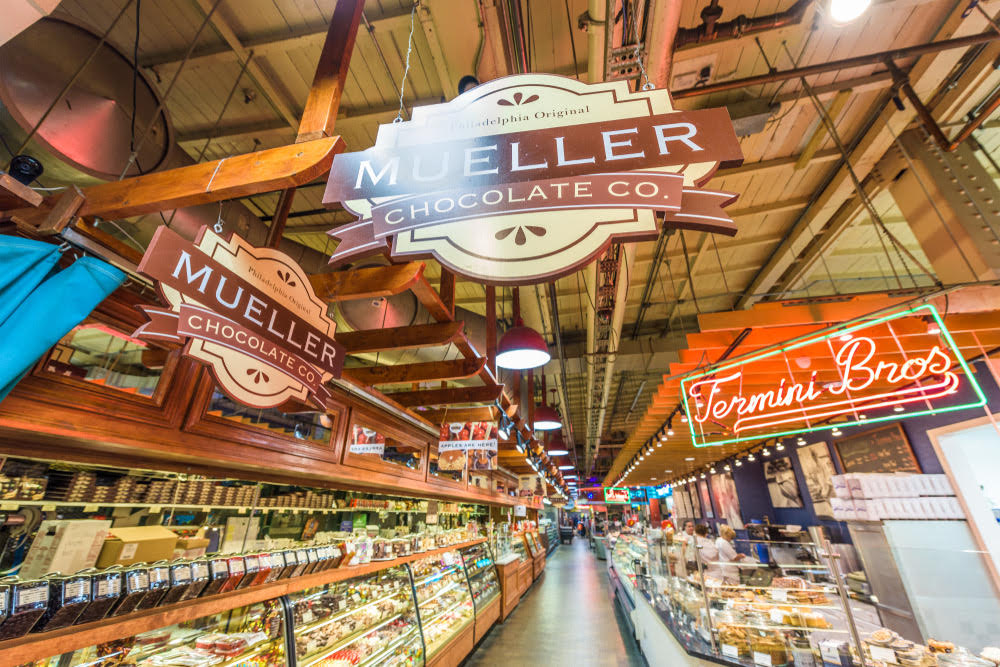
[{"x": 567, "y": 618}]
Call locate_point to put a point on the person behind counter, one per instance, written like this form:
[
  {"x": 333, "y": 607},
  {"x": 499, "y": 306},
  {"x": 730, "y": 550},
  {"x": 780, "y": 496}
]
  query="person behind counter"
[
  {"x": 730, "y": 574},
  {"x": 709, "y": 552},
  {"x": 688, "y": 539}
]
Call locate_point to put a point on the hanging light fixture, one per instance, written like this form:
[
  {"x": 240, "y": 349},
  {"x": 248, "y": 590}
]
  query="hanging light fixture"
[
  {"x": 780, "y": 447},
  {"x": 557, "y": 447},
  {"x": 739, "y": 462},
  {"x": 845, "y": 11},
  {"x": 546, "y": 417},
  {"x": 522, "y": 348}
]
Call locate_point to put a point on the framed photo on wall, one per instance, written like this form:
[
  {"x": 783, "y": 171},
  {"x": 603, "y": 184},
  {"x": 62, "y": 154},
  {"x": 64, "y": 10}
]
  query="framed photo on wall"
[
  {"x": 818, "y": 471},
  {"x": 706, "y": 499},
  {"x": 781, "y": 483},
  {"x": 724, "y": 490}
]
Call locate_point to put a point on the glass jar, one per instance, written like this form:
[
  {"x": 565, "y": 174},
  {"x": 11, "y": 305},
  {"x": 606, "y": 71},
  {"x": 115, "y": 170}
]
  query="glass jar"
[
  {"x": 105, "y": 590},
  {"x": 29, "y": 600},
  {"x": 200, "y": 578},
  {"x": 159, "y": 584},
  {"x": 180, "y": 582},
  {"x": 135, "y": 586}
]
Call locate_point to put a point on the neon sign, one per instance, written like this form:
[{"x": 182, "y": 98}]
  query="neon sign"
[
  {"x": 616, "y": 495},
  {"x": 830, "y": 380}
]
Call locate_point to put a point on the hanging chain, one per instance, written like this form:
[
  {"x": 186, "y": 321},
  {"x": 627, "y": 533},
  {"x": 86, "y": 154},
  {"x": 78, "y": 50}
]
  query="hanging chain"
[
  {"x": 638, "y": 53},
  {"x": 406, "y": 70}
]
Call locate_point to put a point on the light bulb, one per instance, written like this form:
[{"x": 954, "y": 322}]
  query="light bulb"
[
  {"x": 845, "y": 11},
  {"x": 780, "y": 447},
  {"x": 738, "y": 463}
]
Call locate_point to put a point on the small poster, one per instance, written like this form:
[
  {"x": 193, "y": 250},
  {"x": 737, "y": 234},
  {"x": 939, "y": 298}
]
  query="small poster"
[
  {"x": 706, "y": 499},
  {"x": 818, "y": 471},
  {"x": 724, "y": 490},
  {"x": 366, "y": 440},
  {"x": 781, "y": 483}
]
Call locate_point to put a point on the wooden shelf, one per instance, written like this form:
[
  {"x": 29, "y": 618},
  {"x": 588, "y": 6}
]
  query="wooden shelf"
[
  {"x": 49, "y": 505},
  {"x": 47, "y": 644}
]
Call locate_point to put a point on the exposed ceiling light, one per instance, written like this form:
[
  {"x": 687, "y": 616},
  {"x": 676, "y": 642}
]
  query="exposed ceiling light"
[
  {"x": 689, "y": 458},
  {"x": 739, "y": 463},
  {"x": 522, "y": 348},
  {"x": 845, "y": 337},
  {"x": 780, "y": 446},
  {"x": 565, "y": 467},
  {"x": 845, "y": 11},
  {"x": 547, "y": 418},
  {"x": 898, "y": 408}
]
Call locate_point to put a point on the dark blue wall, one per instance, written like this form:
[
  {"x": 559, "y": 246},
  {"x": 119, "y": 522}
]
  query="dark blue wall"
[{"x": 751, "y": 488}]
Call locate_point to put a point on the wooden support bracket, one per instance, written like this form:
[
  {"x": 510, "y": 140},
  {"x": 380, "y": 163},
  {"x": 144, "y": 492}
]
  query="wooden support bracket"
[
  {"x": 366, "y": 283},
  {"x": 458, "y": 395},
  {"x": 456, "y": 369},
  {"x": 229, "y": 178},
  {"x": 400, "y": 338}
]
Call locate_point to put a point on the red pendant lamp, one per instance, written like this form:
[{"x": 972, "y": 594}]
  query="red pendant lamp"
[{"x": 521, "y": 347}]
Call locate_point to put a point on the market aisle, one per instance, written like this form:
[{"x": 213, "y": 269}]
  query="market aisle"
[{"x": 567, "y": 618}]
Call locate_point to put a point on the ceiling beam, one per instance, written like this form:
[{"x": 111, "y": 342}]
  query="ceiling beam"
[
  {"x": 870, "y": 146},
  {"x": 276, "y": 95},
  {"x": 483, "y": 414},
  {"x": 400, "y": 338},
  {"x": 459, "y": 395},
  {"x": 455, "y": 369},
  {"x": 263, "y": 44},
  {"x": 366, "y": 283}
]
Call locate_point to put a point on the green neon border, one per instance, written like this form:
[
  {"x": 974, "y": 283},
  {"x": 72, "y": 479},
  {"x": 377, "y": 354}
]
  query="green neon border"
[{"x": 839, "y": 332}]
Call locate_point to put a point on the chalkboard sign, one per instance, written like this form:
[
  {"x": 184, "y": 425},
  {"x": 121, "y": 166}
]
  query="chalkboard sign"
[{"x": 882, "y": 450}]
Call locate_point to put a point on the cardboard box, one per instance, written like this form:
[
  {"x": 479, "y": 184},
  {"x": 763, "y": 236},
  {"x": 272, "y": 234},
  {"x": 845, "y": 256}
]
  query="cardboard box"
[
  {"x": 141, "y": 544},
  {"x": 190, "y": 547},
  {"x": 65, "y": 546}
]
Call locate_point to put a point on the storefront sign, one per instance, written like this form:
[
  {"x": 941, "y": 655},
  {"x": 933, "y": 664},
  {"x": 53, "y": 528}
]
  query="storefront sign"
[
  {"x": 888, "y": 368},
  {"x": 476, "y": 441},
  {"x": 616, "y": 495},
  {"x": 249, "y": 313},
  {"x": 528, "y": 177},
  {"x": 366, "y": 441}
]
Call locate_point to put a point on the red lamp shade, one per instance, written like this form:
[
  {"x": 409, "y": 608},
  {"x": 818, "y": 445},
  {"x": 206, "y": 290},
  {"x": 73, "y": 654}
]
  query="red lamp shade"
[
  {"x": 556, "y": 445},
  {"x": 522, "y": 348},
  {"x": 547, "y": 418}
]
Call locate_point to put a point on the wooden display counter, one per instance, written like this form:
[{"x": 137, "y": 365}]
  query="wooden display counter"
[
  {"x": 510, "y": 587},
  {"x": 525, "y": 576},
  {"x": 486, "y": 617},
  {"x": 48, "y": 644},
  {"x": 454, "y": 652},
  {"x": 538, "y": 564}
]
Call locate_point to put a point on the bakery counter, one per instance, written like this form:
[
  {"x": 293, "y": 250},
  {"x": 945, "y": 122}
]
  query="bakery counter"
[{"x": 363, "y": 604}]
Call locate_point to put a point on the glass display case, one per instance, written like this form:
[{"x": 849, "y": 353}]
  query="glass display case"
[
  {"x": 775, "y": 604},
  {"x": 519, "y": 549},
  {"x": 364, "y": 621},
  {"x": 443, "y": 598},
  {"x": 482, "y": 574},
  {"x": 531, "y": 539},
  {"x": 252, "y": 635}
]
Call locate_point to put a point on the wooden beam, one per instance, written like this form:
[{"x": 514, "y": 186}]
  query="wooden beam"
[
  {"x": 400, "y": 338},
  {"x": 431, "y": 300},
  {"x": 206, "y": 182},
  {"x": 819, "y": 134},
  {"x": 54, "y": 214},
  {"x": 459, "y": 395},
  {"x": 277, "y": 228},
  {"x": 447, "y": 290},
  {"x": 456, "y": 369},
  {"x": 366, "y": 283},
  {"x": 280, "y": 99},
  {"x": 771, "y": 207},
  {"x": 331, "y": 72},
  {"x": 485, "y": 413},
  {"x": 14, "y": 194}
]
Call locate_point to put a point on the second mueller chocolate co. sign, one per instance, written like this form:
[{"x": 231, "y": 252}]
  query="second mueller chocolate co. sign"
[
  {"x": 249, "y": 313},
  {"x": 527, "y": 178}
]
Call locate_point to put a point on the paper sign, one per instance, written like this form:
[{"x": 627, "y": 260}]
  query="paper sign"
[
  {"x": 730, "y": 651},
  {"x": 366, "y": 440},
  {"x": 9, "y": 506},
  {"x": 50, "y": 507},
  {"x": 128, "y": 550},
  {"x": 155, "y": 509},
  {"x": 762, "y": 659},
  {"x": 779, "y": 595},
  {"x": 90, "y": 508},
  {"x": 476, "y": 441}
]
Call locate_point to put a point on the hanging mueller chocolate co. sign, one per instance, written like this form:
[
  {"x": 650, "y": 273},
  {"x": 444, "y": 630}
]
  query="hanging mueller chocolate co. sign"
[
  {"x": 249, "y": 313},
  {"x": 526, "y": 178}
]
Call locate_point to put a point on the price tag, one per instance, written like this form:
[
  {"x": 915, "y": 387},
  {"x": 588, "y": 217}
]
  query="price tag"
[
  {"x": 9, "y": 506},
  {"x": 882, "y": 653},
  {"x": 206, "y": 508},
  {"x": 307, "y": 616},
  {"x": 241, "y": 510},
  {"x": 49, "y": 507},
  {"x": 730, "y": 651},
  {"x": 155, "y": 509},
  {"x": 90, "y": 508},
  {"x": 762, "y": 659},
  {"x": 295, "y": 511},
  {"x": 779, "y": 594},
  {"x": 777, "y": 616}
]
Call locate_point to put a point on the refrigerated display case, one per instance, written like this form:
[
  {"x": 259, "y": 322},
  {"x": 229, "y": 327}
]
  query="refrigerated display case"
[
  {"x": 484, "y": 583},
  {"x": 510, "y": 566},
  {"x": 445, "y": 605},
  {"x": 369, "y": 620},
  {"x": 251, "y": 635}
]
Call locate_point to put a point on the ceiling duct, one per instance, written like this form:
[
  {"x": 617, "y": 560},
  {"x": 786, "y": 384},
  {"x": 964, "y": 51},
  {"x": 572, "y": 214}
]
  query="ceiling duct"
[{"x": 85, "y": 139}]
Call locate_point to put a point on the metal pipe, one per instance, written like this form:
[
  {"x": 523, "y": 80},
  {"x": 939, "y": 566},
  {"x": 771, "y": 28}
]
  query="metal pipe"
[
  {"x": 836, "y": 65},
  {"x": 992, "y": 105},
  {"x": 597, "y": 29},
  {"x": 711, "y": 30}
]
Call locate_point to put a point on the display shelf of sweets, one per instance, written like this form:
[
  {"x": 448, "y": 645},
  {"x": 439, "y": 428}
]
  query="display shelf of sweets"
[
  {"x": 443, "y": 598},
  {"x": 884, "y": 646},
  {"x": 351, "y": 617},
  {"x": 627, "y": 551},
  {"x": 482, "y": 574},
  {"x": 251, "y": 635}
]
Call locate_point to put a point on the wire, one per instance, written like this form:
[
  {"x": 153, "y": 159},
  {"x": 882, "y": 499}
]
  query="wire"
[
  {"x": 406, "y": 70},
  {"x": 135, "y": 73}
]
